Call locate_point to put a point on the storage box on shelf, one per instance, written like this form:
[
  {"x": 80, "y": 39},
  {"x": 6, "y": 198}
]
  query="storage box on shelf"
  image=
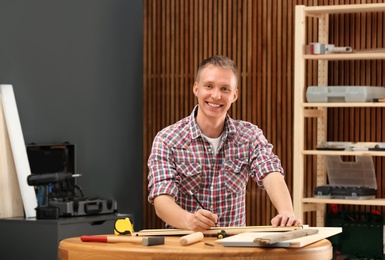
[{"x": 318, "y": 110}]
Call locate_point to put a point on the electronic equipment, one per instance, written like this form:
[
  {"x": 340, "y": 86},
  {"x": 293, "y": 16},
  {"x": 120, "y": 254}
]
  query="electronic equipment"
[{"x": 54, "y": 177}]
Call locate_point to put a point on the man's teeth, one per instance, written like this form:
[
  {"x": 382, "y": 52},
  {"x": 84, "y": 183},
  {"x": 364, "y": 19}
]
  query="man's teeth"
[{"x": 213, "y": 105}]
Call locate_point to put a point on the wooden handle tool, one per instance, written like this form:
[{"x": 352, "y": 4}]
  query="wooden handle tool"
[
  {"x": 146, "y": 241},
  {"x": 271, "y": 239},
  {"x": 190, "y": 239}
]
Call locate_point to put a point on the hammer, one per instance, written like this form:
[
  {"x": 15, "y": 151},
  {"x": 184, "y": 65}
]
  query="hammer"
[{"x": 146, "y": 241}]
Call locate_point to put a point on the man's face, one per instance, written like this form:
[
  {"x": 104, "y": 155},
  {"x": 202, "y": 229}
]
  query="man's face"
[{"x": 216, "y": 90}]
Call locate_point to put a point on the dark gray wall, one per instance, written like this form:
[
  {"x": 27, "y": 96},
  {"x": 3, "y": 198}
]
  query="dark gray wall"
[{"x": 76, "y": 70}]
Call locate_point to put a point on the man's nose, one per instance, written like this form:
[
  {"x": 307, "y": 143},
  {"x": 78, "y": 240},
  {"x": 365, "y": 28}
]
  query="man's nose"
[{"x": 216, "y": 94}]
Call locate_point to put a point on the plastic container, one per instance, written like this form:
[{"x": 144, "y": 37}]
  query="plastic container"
[
  {"x": 358, "y": 173},
  {"x": 344, "y": 93}
]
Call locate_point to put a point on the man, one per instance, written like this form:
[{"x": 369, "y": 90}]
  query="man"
[{"x": 200, "y": 166}]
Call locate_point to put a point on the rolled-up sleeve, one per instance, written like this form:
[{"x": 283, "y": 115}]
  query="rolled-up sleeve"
[
  {"x": 162, "y": 173},
  {"x": 263, "y": 160}
]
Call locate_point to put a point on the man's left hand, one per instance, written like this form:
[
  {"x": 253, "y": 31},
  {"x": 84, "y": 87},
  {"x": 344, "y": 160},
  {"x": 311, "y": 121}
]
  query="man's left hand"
[{"x": 285, "y": 220}]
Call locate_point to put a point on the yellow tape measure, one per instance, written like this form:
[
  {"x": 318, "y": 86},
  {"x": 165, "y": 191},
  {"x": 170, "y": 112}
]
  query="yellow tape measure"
[{"x": 123, "y": 227}]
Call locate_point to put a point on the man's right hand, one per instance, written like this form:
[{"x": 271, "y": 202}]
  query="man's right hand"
[
  {"x": 171, "y": 213},
  {"x": 201, "y": 220}
]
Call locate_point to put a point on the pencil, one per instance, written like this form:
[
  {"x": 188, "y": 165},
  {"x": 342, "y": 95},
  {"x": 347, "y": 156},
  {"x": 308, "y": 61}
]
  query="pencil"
[
  {"x": 200, "y": 204},
  {"x": 196, "y": 199}
]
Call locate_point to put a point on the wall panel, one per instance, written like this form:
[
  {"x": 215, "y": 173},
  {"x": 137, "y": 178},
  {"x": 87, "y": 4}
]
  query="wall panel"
[{"x": 259, "y": 37}]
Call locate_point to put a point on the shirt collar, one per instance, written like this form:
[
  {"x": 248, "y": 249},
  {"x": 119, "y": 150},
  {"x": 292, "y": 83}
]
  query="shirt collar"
[{"x": 228, "y": 132}]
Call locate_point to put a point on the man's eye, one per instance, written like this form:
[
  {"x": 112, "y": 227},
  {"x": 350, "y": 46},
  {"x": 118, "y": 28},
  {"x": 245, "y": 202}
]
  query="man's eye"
[{"x": 209, "y": 86}]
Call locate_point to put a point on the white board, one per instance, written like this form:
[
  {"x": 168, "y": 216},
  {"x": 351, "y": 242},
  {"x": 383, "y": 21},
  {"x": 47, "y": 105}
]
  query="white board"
[
  {"x": 11, "y": 203},
  {"x": 247, "y": 239},
  {"x": 19, "y": 151}
]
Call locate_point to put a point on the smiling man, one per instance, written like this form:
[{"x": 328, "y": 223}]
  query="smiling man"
[{"x": 199, "y": 167}]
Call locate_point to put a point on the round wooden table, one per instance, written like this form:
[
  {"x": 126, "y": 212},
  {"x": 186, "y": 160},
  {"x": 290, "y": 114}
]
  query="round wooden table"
[{"x": 75, "y": 249}]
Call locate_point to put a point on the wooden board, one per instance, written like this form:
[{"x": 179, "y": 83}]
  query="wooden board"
[
  {"x": 18, "y": 148},
  {"x": 213, "y": 231},
  {"x": 11, "y": 204},
  {"x": 246, "y": 239}
]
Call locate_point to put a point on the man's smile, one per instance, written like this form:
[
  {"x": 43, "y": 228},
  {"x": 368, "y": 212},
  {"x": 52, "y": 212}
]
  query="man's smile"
[{"x": 213, "y": 104}]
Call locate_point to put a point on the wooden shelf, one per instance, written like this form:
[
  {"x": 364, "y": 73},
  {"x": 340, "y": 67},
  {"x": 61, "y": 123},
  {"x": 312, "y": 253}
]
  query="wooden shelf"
[
  {"x": 356, "y": 104},
  {"x": 343, "y": 9},
  {"x": 346, "y": 153},
  {"x": 346, "y": 56},
  {"x": 370, "y": 202},
  {"x": 303, "y": 109}
]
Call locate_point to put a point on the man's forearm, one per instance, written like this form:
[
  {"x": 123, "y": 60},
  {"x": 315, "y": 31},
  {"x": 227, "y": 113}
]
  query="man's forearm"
[
  {"x": 170, "y": 212},
  {"x": 279, "y": 194}
]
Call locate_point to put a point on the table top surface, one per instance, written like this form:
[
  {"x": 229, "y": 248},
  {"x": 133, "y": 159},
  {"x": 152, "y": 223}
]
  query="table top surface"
[{"x": 74, "y": 248}]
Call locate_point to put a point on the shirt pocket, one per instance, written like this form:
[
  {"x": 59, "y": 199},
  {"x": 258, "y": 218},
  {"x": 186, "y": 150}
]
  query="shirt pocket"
[
  {"x": 190, "y": 177},
  {"x": 236, "y": 175}
]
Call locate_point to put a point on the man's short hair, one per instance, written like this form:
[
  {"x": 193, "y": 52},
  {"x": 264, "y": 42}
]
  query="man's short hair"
[{"x": 219, "y": 61}]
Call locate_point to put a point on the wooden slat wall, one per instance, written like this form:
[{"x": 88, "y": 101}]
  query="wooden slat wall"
[{"x": 259, "y": 37}]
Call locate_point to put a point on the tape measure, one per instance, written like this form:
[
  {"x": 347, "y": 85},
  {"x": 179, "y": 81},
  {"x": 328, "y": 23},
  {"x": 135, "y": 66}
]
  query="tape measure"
[{"x": 123, "y": 227}]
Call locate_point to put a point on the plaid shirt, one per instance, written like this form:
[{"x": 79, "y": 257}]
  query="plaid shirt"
[{"x": 182, "y": 160}]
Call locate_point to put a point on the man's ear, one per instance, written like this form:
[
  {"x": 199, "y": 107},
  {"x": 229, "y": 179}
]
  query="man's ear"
[
  {"x": 195, "y": 89},
  {"x": 235, "y": 95}
]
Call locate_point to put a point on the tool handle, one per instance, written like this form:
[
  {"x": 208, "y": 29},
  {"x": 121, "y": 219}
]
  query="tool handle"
[
  {"x": 111, "y": 239},
  {"x": 271, "y": 239},
  {"x": 190, "y": 239},
  {"x": 94, "y": 239}
]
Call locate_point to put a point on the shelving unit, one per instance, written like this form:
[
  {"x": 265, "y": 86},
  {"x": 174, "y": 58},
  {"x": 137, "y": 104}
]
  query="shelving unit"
[{"x": 318, "y": 111}]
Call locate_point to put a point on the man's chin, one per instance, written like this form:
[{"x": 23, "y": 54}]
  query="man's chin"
[{"x": 214, "y": 111}]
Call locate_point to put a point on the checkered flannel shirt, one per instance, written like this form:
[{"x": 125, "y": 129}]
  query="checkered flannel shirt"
[{"x": 182, "y": 160}]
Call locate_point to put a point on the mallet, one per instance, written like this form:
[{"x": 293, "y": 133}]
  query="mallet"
[{"x": 146, "y": 241}]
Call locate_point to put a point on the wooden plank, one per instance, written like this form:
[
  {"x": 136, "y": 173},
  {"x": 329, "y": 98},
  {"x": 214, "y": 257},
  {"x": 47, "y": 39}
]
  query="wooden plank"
[
  {"x": 282, "y": 236},
  {"x": 352, "y": 8},
  {"x": 11, "y": 203},
  {"x": 213, "y": 231},
  {"x": 19, "y": 151},
  {"x": 247, "y": 239}
]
